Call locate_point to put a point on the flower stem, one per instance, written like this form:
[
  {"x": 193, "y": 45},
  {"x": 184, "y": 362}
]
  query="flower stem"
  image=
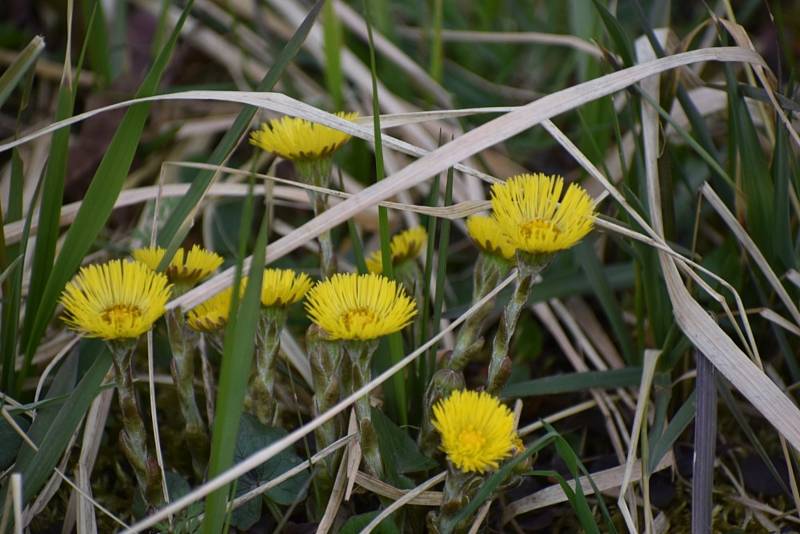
[
  {"x": 360, "y": 353},
  {"x": 183, "y": 342},
  {"x": 500, "y": 363},
  {"x": 459, "y": 489},
  {"x": 262, "y": 384},
  {"x": 133, "y": 436},
  {"x": 317, "y": 172}
]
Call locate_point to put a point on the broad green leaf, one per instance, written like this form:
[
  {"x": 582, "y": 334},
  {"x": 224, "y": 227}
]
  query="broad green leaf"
[
  {"x": 10, "y": 440},
  {"x": 355, "y": 524},
  {"x": 399, "y": 452},
  {"x": 252, "y": 437}
]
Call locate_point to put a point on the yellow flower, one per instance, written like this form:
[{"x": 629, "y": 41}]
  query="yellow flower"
[
  {"x": 486, "y": 233},
  {"x": 535, "y": 219},
  {"x": 212, "y": 314},
  {"x": 404, "y": 246},
  {"x": 298, "y": 139},
  {"x": 477, "y": 430},
  {"x": 282, "y": 287},
  {"x": 115, "y": 300},
  {"x": 362, "y": 307},
  {"x": 198, "y": 263}
]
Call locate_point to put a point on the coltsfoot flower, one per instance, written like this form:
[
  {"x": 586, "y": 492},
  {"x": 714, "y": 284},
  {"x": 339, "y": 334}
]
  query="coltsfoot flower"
[
  {"x": 404, "y": 246},
  {"x": 283, "y": 287},
  {"x": 530, "y": 211},
  {"x": 212, "y": 314},
  {"x": 359, "y": 307},
  {"x": 489, "y": 237},
  {"x": 185, "y": 268},
  {"x": 477, "y": 431},
  {"x": 298, "y": 139},
  {"x": 115, "y": 300}
]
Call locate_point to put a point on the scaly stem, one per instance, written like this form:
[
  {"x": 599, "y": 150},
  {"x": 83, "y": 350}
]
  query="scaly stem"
[
  {"x": 500, "y": 363},
  {"x": 488, "y": 272},
  {"x": 133, "y": 436},
  {"x": 459, "y": 489},
  {"x": 317, "y": 172},
  {"x": 183, "y": 342},
  {"x": 360, "y": 353},
  {"x": 262, "y": 400}
]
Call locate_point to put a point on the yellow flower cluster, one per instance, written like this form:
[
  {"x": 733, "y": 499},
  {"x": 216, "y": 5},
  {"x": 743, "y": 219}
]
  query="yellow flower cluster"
[
  {"x": 186, "y": 268},
  {"x": 300, "y": 140},
  {"x": 489, "y": 237},
  {"x": 359, "y": 307},
  {"x": 404, "y": 246},
  {"x": 212, "y": 314},
  {"x": 115, "y": 300},
  {"x": 282, "y": 287},
  {"x": 477, "y": 431}
]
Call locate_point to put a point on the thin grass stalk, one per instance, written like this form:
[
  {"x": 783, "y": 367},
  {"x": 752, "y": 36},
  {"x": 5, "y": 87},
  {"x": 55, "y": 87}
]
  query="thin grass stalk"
[{"x": 705, "y": 437}]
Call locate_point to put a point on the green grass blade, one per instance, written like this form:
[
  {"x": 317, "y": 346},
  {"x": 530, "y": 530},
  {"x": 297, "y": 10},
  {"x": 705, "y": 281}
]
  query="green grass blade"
[
  {"x": 396, "y": 388},
  {"x": 175, "y": 227},
  {"x": 332, "y": 34},
  {"x": 593, "y": 269},
  {"x": 97, "y": 39},
  {"x": 59, "y": 427},
  {"x": 100, "y": 197},
  {"x": 679, "y": 422},
  {"x": 14, "y": 73},
  {"x": 441, "y": 267},
  {"x": 235, "y": 370},
  {"x": 571, "y": 382}
]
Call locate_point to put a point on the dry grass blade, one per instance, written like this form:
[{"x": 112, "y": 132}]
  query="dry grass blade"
[
  {"x": 648, "y": 370},
  {"x": 402, "y": 501},
  {"x": 472, "y": 142},
  {"x": 752, "y": 249},
  {"x": 335, "y": 500},
  {"x": 378, "y": 487},
  {"x": 604, "y": 480},
  {"x": 16, "y": 501}
]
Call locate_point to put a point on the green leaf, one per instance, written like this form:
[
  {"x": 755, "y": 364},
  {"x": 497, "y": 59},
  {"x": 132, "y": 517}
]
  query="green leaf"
[
  {"x": 100, "y": 197},
  {"x": 252, "y": 437},
  {"x": 55, "y": 424},
  {"x": 617, "y": 34},
  {"x": 356, "y": 524},
  {"x": 679, "y": 422},
  {"x": 10, "y": 441},
  {"x": 332, "y": 33},
  {"x": 570, "y": 382},
  {"x": 14, "y": 73},
  {"x": 399, "y": 452}
]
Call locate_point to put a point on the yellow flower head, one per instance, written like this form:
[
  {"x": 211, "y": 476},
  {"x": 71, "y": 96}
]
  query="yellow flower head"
[
  {"x": 184, "y": 269},
  {"x": 212, "y": 314},
  {"x": 486, "y": 233},
  {"x": 359, "y": 306},
  {"x": 282, "y": 287},
  {"x": 530, "y": 211},
  {"x": 115, "y": 300},
  {"x": 404, "y": 246},
  {"x": 477, "y": 430},
  {"x": 300, "y": 140}
]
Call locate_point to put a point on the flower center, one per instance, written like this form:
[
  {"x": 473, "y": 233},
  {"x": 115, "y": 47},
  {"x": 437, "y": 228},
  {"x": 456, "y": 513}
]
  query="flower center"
[
  {"x": 471, "y": 439},
  {"x": 356, "y": 319},
  {"x": 529, "y": 228},
  {"x": 121, "y": 314}
]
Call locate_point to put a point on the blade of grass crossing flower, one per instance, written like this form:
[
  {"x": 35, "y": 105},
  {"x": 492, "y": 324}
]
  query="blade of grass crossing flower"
[
  {"x": 12, "y": 76},
  {"x": 395, "y": 389},
  {"x": 100, "y": 197},
  {"x": 175, "y": 227},
  {"x": 237, "y": 358},
  {"x": 332, "y": 34}
]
